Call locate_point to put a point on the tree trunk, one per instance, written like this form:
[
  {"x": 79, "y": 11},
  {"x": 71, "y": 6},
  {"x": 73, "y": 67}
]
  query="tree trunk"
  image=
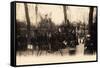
[
  {"x": 91, "y": 19},
  {"x": 36, "y": 11},
  {"x": 65, "y": 14},
  {"x": 28, "y": 22}
]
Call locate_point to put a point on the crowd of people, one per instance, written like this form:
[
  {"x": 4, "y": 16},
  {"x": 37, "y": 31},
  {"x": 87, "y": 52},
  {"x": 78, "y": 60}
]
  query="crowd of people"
[{"x": 50, "y": 37}]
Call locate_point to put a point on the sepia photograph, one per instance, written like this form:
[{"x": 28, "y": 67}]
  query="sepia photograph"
[{"x": 55, "y": 33}]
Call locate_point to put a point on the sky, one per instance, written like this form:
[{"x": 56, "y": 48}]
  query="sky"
[{"x": 55, "y": 12}]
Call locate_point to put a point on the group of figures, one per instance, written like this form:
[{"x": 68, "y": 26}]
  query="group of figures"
[
  {"x": 53, "y": 41},
  {"x": 49, "y": 38}
]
